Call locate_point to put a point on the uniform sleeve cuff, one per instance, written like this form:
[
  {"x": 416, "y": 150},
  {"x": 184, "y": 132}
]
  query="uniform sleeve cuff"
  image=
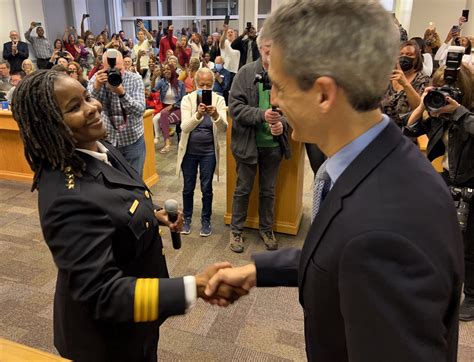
[{"x": 190, "y": 291}]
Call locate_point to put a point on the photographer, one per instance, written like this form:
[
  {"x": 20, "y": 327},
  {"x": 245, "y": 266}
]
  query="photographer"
[
  {"x": 254, "y": 145},
  {"x": 123, "y": 105},
  {"x": 246, "y": 44},
  {"x": 450, "y": 130}
]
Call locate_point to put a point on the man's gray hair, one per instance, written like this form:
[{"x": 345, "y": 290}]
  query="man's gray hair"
[
  {"x": 201, "y": 71},
  {"x": 355, "y": 42}
]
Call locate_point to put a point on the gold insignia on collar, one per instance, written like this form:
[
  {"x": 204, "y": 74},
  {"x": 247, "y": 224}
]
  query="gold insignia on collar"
[{"x": 70, "y": 178}]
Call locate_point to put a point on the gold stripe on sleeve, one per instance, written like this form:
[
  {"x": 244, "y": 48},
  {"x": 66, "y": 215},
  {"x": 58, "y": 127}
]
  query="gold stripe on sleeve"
[{"x": 146, "y": 300}]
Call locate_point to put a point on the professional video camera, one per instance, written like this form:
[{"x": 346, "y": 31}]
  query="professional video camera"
[
  {"x": 264, "y": 79},
  {"x": 462, "y": 197},
  {"x": 436, "y": 98},
  {"x": 113, "y": 74}
]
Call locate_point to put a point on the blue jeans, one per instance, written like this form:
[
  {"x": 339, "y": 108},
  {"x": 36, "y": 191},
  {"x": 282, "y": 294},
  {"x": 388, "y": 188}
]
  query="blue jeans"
[
  {"x": 135, "y": 154},
  {"x": 189, "y": 166}
]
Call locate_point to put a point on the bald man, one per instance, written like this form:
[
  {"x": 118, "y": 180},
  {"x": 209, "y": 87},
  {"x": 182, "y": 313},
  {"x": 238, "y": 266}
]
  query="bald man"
[
  {"x": 15, "y": 51},
  {"x": 122, "y": 108}
]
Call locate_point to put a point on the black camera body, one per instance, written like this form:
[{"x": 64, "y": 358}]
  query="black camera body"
[
  {"x": 114, "y": 76},
  {"x": 263, "y": 78},
  {"x": 462, "y": 197},
  {"x": 436, "y": 98}
]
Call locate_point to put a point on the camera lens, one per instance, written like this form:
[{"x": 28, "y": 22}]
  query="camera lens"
[
  {"x": 114, "y": 78},
  {"x": 435, "y": 100}
]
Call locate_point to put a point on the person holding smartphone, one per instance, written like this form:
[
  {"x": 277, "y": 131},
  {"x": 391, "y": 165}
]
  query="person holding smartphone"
[
  {"x": 203, "y": 116},
  {"x": 246, "y": 44},
  {"x": 143, "y": 46},
  {"x": 454, "y": 38},
  {"x": 41, "y": 45}
]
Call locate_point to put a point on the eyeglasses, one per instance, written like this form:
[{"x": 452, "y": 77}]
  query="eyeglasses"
[{"x": 71, "y": 71}]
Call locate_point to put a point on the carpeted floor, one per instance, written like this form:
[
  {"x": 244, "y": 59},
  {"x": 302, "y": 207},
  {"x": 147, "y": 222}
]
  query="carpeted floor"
[{"x": 267, "y": 325}]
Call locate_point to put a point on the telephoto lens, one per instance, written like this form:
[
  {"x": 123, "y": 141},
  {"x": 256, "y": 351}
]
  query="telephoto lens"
[{"x": 114, "y": 75}]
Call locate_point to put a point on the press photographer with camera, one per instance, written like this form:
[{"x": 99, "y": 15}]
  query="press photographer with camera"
[
  {"x": 122, "y": 96},
  {"x": 445, "y": 115}
]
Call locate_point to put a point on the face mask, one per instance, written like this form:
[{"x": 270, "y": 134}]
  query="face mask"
[
  {"x": 199, "y": 92},
  {"x": 218, "y": 67},
  {"x": 406, "y": 63}
]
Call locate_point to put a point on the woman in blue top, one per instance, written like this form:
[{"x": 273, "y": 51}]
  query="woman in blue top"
[
  {"x": 171, "y": 92},
  {"x": 199, "y": 147}
]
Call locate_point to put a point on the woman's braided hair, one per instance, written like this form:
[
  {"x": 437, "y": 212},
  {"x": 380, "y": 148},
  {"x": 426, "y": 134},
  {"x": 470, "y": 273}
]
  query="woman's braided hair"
[{"x": 47, "y": 140}]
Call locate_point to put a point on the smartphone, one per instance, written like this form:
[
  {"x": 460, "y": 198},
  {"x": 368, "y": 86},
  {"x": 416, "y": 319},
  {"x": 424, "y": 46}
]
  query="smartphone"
[
  {"x": 465, "y": 14},
  {"x": 207, "y": 97},
  {"x": 227, "y": 19},
  {"x": 160, "y": 23},
  {"x": 86, "y": 15},
  {"x": 38, "y": 23},
  {"x": 455, "y": 29},
  {"x": 249, "y": 25}
]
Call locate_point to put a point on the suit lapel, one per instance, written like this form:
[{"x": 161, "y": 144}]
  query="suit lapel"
[{"x": 357, "y": 171}]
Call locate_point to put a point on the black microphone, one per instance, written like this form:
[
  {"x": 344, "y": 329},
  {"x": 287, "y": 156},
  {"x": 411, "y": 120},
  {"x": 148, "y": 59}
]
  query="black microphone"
[{"x": 171, "y": 208}]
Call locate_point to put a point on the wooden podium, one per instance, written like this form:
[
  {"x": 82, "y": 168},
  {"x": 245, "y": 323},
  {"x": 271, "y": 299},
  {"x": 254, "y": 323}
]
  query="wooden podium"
[
  {"x": 13, "y": 165},
  {"x": 289, "y": 190}
]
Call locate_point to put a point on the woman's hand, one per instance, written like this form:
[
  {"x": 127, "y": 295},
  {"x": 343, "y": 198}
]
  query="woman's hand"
[
  {"x": 162, "y": 217},
  {"x": 399, "y": 76},
  {"x": 449, "y": 108},
  {"x": 202, "y": 110},
  {"x": 212, "y": 111}
]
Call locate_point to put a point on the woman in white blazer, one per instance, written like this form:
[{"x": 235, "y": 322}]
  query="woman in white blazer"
[{"x": 199, "y": 147}]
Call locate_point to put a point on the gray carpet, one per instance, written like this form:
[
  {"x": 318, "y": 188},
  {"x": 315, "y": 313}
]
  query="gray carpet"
[{"x": 267, "y": 325}]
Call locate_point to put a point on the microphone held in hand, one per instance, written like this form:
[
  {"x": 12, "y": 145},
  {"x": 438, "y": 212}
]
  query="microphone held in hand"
[{"x": 171, "y": 208}]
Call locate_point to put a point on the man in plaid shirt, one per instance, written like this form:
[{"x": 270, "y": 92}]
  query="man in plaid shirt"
[
  {"x": 41, "y": 45},
  {"x": 122, "y": 110}
]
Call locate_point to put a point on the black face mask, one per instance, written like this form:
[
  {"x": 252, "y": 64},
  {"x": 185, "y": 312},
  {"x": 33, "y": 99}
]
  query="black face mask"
[{"x": 406, "y": 63}]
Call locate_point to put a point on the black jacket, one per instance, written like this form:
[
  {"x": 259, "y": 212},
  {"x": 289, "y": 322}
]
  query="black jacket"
[
  {"x": 15, "y": 60},
  {"x": 460, "y": 127},
  {"x": 381, "y": 269},
  {"x": 105, "y": 242},
  {"x": 242, "y": 46}
]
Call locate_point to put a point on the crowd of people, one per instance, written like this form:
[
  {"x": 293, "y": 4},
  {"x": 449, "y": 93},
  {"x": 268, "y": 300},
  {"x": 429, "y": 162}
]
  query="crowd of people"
[{"x": 189, "y": 82}]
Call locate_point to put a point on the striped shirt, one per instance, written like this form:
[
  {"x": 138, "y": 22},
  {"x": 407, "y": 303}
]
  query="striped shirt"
[
  {"x": 41, "y": 46},
  {"x": 123, "y": 116}
]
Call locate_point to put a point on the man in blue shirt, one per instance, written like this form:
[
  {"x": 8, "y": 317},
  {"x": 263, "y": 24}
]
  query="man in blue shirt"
[{"x": 381, "y": 269}]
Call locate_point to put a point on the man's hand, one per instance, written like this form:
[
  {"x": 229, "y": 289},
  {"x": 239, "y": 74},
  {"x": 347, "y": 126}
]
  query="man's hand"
[
  {"x": 272, "y": 117},
  {"x": 224, "y": 294},
  {"x": 100, "y": 79},
  {"x": 162, "y": 217},
  {"x": 119, "y": 90},
  {"x": 32, "y": 25},
  {"x": 244, "y": 277},
  {"x": 276, "y": 128}
]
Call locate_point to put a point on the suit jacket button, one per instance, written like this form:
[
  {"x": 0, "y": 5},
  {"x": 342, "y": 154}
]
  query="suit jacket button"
[
  {"x": 147, "y": 224},
  {"x": 147, "y": 194}
]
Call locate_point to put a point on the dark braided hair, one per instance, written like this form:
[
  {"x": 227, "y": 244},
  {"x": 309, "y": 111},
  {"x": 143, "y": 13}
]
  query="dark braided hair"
[{"x": 47, "y": 140}]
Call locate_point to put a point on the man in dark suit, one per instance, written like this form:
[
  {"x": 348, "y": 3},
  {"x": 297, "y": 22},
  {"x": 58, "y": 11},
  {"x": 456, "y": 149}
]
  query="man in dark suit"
[
  {"x": 381, "y": 269},
  {"x": 15, "y": 52}
]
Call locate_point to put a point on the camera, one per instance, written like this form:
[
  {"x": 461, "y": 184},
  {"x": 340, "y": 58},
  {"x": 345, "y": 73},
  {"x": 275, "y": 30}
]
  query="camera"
[
  {"x": 462, "y": 197},
  {"x": 62, "y": 54},
  {"x": 114, "y": 77},
  {"x": 263, "y": 78},
  {"x": 436, "y": 98}
]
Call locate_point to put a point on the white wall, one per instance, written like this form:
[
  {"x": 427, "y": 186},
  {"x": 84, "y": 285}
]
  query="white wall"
[{"x": 444, "y": 14}]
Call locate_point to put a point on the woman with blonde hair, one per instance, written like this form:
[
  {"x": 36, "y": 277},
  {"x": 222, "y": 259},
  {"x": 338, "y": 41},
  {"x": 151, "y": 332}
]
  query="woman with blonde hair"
[
  {"x": 187, "y": 77},
  {"x": 27, "y": 66}
]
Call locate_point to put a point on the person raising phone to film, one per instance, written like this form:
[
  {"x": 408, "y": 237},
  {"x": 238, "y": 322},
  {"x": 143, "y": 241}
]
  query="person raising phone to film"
[
  {"x": 454, "y": 38},
  {"x": 203, "y": 116}
]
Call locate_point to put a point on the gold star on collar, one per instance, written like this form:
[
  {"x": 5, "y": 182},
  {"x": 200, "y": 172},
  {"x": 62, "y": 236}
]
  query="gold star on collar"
[{"x": 70, "y": 179}]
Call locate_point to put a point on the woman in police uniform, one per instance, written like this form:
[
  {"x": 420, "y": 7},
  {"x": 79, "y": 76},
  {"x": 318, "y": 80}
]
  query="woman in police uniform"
[{"x": 100, "y": 224}]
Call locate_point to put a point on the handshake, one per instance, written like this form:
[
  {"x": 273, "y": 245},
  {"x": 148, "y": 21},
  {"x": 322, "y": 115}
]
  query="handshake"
[{"x": 221, "y": 284}]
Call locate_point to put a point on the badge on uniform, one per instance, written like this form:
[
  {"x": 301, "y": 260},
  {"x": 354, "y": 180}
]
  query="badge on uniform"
[{"x": 134, "y": 206}]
